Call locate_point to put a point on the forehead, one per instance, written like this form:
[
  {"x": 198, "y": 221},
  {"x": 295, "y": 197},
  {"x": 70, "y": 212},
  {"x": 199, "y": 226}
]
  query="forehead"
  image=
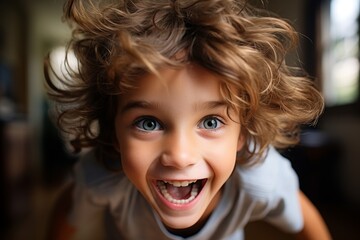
[{"x": 189, "y": 82}]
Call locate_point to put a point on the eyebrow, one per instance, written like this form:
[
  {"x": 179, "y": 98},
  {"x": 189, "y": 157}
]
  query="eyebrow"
[
  {"x": 138, "y": 104},
  {"x": 211, "y": 105},
  {"x": 150, "y": 105}
]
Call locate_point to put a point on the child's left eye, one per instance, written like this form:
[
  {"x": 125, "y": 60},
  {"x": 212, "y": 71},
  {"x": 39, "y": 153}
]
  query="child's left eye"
[{"x": 210, "y": 123}]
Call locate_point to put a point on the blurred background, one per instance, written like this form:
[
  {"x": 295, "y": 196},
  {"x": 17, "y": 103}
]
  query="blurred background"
[{"x": 35, "y": 165}]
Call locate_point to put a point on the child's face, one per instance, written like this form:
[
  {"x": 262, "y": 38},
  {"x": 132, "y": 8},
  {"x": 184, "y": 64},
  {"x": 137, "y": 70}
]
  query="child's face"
[{"x": 178, "y": 143}]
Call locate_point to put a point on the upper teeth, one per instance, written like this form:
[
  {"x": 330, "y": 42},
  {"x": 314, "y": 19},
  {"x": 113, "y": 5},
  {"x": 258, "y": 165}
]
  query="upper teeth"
[{"x": 180, "y": 183}]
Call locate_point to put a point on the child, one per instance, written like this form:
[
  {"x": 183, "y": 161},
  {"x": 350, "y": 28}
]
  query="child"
[{"x": 183, "y": 104}]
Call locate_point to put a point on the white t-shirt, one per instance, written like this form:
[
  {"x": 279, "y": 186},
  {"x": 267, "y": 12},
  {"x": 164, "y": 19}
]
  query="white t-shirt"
[{"x": 108, "y": 206}]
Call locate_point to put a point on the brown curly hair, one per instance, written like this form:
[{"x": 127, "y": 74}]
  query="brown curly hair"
[{"x": 115, "y": 42}]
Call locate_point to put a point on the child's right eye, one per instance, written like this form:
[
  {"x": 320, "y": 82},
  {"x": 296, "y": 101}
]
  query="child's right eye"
[{"x": 147, "y": 124}]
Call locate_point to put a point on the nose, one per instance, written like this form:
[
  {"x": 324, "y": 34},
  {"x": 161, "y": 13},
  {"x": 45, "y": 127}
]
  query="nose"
[{"x": 180, "y": 150}]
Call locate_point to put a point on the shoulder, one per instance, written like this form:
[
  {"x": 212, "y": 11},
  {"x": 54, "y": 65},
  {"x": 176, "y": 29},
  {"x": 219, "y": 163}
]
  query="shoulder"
[
  {"x": 92, "y": 172},
  {"x": 266, "y": 177},
  {"x": 97, "y": 181},
  {"x": 272, "y": 189}
]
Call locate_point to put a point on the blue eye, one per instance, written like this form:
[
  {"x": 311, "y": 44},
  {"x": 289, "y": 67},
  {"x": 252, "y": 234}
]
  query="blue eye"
[
  {"x": 147, "y": 124},
  {"x": 211, "y": 123}
]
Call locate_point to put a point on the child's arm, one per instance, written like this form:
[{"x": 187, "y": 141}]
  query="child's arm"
[
  {"x": 88, "y": 221},
  {"x": 59, "y": 227},
  {"x": 314, "y": 225}
]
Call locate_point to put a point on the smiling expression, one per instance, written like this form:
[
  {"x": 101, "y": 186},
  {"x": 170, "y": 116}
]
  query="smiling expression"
[{"x": 178, "y": 141}]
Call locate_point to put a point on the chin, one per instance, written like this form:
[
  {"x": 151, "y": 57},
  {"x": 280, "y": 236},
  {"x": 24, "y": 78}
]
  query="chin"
[
  {"x": 184, "y": 228},
  {"x": 178, "y": 225}
]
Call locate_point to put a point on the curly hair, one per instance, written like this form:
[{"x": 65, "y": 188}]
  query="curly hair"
[{"x": 116, "y": 42}]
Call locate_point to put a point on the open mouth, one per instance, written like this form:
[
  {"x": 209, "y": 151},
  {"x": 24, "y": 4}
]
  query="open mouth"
[{"x": 180, "y": 192}]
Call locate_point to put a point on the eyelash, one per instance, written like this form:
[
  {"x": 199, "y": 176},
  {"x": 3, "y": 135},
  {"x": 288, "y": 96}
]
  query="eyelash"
[{"x": 156, "y": 125}]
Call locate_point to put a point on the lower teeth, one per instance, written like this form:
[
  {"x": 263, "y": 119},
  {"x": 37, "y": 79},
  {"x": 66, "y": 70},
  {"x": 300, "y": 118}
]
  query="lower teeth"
[{"x": 194, "y": 193}]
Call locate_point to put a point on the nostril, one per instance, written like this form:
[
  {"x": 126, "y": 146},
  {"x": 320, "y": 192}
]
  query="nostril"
[{"x": 177, "y": 160}]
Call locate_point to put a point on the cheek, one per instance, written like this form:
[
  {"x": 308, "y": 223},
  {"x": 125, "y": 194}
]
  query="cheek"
[
  {"x": 134, "y": 155},
  {"x": 222, "y": 157},
  {"x": 137, "y": 158},
  {"x": 133, "y": 158}
]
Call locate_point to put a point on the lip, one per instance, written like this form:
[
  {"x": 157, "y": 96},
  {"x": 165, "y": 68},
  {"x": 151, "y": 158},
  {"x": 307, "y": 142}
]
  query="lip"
[{"x": 175, "y": 206}]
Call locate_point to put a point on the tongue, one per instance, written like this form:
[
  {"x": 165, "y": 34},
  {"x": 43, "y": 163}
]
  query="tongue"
[{"x": 179, "y": 192}]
